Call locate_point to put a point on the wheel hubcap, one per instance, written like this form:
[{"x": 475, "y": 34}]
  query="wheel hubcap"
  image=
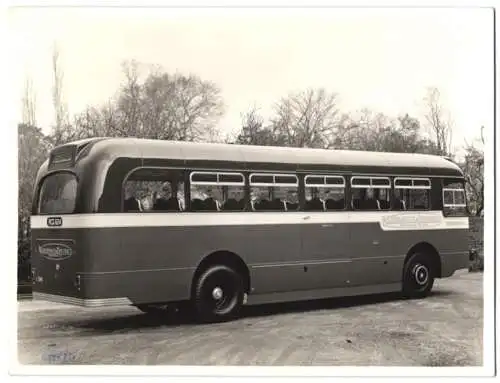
[
  {"x": 421, "y": 274},
  {"x": 217, "y": 293},
  {"x": 220, "y": 293}
]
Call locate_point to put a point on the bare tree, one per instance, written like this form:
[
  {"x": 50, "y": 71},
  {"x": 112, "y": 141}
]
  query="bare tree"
[
  {"x": 473, "y": 168},
  {"x": 103, "y": 121},
  {"x": 366, "y": 130},
  {"x": 33, "y": 148},
  {"x": 440, "y": 125},
  {"x": 163, "y": 106},
  {"x": 307, "y": 119},
  {"x": 29, "y": 103},
  {"x": 253, "y": 131},
  {"x": 130, "y": 101},
  {"x": 60, "y": 109},
  {"x": 176, "y": 107},
  {"x": 373, "y": 129}
]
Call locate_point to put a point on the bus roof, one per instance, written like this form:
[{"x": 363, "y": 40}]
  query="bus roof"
[{"x": 190, "y": 151}]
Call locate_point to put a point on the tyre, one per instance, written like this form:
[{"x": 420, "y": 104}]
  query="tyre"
[
  {"x": 418, "y": 276},
  {"x": 218, "y": 294}
]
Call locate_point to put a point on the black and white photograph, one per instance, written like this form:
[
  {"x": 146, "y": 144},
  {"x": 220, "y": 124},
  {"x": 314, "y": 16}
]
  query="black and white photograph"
[{"x": 245, "y": 190}]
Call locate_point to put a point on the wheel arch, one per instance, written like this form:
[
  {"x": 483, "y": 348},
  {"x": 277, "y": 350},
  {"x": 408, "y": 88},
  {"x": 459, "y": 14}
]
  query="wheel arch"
[
  {"x": 222, "y": 257},
  {"x": 429, "y": 250}
]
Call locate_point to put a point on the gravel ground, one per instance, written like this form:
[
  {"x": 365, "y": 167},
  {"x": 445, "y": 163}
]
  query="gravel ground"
[{"x": 444, "y": 329}]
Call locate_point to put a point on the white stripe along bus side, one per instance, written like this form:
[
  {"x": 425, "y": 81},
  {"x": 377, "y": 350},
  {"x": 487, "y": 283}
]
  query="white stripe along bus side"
[{"x": 388, "y": 221}]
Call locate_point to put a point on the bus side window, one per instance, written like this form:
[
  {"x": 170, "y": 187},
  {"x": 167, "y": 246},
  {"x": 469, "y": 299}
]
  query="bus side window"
[
  {"x": 370, "y": 193},
  {"x": 454, "y": 198},
  {"x": 152, "y": 190},
  {"x": 139, "y": 195},
  {"x": 217, "y": 191},
  {"x": 412, "y": 193},
  {"x": 323, "y": 193},
  {"x": 274, "y": 192}
]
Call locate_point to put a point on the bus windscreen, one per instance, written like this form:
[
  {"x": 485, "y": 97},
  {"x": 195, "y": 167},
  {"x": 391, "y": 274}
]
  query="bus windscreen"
[{"x": 58, "y": 194}]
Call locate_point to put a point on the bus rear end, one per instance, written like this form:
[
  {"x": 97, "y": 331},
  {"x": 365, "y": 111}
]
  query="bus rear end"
[{"x": 57, "y": 246}]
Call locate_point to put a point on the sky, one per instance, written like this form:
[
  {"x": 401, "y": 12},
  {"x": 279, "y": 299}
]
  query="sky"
[{"x": 380, "y": 59}]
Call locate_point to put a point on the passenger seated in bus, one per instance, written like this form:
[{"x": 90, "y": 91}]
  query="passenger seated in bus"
[
  {"x": 314, "y": 204},
  {"x": 334, "y": 200},
  {"x": 292, "y": 206},
  {"x": 131, "y": 203},
  {"x": 262, "y": 204},
  {"x": 230, "y": 205},
  {"x": 370, "y": 203},
  {"x": 240, "y": 198},
  {"x": 146, "y": 202},
  {"x": 383, "y": 199},
  {"x": 334, "y": 204},
  {"x": 162, "y": 202},
  {"x": 260, "y": 200},
  {"x": 291, "y": 201},
  {"x": 364, "y": 200},
  {"x": 172, "y": 204},
  {"x": 235, "y": 202},
  {"x": 208, "y": 200},
  {"x": 253, "y": 201},
  {"x": 167, "y": 201},
  {"x": 259, "y": 205},
  {"x": 277, "y": 205},
  {"x": 210, "y": 204}
]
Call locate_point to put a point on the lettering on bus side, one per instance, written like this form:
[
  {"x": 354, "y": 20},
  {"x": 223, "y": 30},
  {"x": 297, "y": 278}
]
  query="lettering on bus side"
[
  {"x": 56, "y": 250},
  {"x": 54, "y": 221}
]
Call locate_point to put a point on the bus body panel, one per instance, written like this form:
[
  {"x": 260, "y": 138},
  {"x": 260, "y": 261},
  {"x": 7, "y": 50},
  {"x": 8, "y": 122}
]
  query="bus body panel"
[
  {"x": 326, "y": 253},
  {"x": 378, "y": 256},
  {"x": 453, "y": 261},
  {"x": 159, "y": 261},
  {"x": 57, "y": 256}
]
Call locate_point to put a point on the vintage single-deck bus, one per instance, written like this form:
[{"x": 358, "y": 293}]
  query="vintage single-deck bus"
[{"x": 157, "y": 223}]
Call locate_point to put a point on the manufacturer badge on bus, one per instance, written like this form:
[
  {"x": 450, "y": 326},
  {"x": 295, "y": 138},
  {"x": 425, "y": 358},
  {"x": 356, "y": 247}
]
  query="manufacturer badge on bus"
[{"x": 54, "y": 221}]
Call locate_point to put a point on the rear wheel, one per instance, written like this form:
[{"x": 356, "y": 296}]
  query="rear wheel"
[
  {"x": 418, "y": 276},
  {"x": 218, "y": 294}
]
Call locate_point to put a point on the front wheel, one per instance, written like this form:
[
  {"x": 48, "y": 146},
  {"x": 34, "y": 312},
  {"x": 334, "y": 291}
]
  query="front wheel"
[
  {"x": 218, "y": 294},
  {"x": 418, "y": 276}
]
